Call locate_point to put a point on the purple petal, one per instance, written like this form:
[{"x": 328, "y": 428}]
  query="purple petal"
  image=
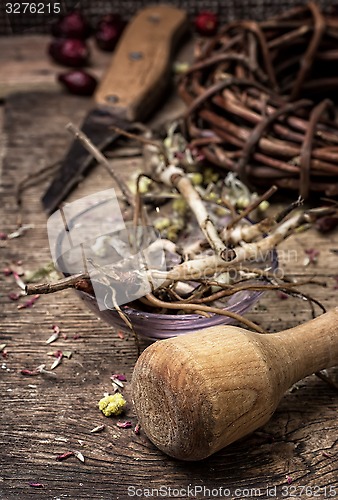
[
  {"x": 119, "y": 376},
  {"x": 36, "y": 485},
  {"x": 65, "y": 455}
]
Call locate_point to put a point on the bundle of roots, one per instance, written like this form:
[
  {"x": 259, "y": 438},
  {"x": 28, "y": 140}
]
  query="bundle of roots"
[{"x": 260, "y": 101}]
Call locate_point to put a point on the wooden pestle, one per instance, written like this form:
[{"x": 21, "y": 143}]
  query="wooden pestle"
[{"x": 196, "y": 393}]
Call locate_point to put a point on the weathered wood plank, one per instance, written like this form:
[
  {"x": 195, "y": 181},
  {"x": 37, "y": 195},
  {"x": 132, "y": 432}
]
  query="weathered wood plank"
[
  {"x": 26, "y": 66},
  {"x": 42, "y": 417}
]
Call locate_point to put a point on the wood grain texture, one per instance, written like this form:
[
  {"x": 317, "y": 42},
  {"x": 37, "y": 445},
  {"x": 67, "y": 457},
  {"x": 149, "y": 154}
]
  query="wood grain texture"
[
  {"x": 42, "y": 417},
  {"x": 195, "y": 394},
  {"x": 26, "y": 66}
]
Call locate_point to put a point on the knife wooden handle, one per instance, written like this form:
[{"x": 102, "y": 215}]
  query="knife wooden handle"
[
  {"x": 196, "y": 393},
  {"x": 141, "y": 63}
]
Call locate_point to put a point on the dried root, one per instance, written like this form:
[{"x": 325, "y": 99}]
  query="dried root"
[{"x": 202, "y": 279}]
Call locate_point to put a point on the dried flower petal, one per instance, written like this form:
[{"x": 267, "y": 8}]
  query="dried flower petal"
[
  {"x": 289, "y": 479},
  {"x": 20, "y": 231},
  {"x": 326, "y": 224},
  {"x": 7, "y": 271},
  {"x": 124, "y": 425},
  {"x": 137, "y": 429},
  {"x": 79, "y": 456},
  {"x": 36, "y": 485},
  {"x": 57, "y": 361},
  {"x": 99, "y": 428},
  {"x": 312, "y": 256},
  {"x": 119, "y": 376},
  {"x": 117, "y": 382},
  {"x": 65, "y": 455},
  {"x": 3, "y": 236},
  {"x": 282, "y": 295},
  {"x": 120, "y": 334},
  {"x": 29, "y": 302},
  {"x": 4, "y": 354},
  {"x": 335, "y": 286},
  {"x": 14, "y": 295},
  {"x": 19, "y": 281},
  {"x": 52, "y": 338},
  {"x": 115, "y": 387},
  {"x": 55, "y": 335},
  {"x": 76, "y": 336},
  {"x": 29, "y": 372}
]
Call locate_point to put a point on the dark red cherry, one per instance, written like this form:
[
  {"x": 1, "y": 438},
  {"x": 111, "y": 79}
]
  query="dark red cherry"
[
  {"x": 108, "y": 31},
  {"x": 78, "y": 82},
  {"x": 72, "y": 25},
  {"x": 206, "y": 23},
  {"x": 69, "y": 52}
]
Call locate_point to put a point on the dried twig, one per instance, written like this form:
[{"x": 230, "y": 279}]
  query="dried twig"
[
  {"x": 242, "y": 90},
  {"x": 152, "y": 300}
]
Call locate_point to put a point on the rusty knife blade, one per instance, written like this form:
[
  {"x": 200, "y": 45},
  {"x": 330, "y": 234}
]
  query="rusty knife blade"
[{"x": 78, "y": 161}]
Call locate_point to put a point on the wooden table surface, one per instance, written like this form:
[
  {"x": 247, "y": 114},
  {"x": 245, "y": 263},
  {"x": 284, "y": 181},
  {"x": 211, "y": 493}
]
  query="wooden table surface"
[{"x": 43, "y": 417}]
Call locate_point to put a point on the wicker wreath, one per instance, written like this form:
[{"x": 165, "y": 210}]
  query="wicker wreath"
[{"x": 259, "y": 101}]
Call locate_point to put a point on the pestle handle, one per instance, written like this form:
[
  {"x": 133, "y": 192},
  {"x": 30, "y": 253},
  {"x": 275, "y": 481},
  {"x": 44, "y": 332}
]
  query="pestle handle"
[{"x": 196, "y": 393}]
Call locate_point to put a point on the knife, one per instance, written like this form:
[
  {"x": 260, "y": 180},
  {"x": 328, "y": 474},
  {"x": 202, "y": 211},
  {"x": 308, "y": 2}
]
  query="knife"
[{"x": 129, "y": 92}]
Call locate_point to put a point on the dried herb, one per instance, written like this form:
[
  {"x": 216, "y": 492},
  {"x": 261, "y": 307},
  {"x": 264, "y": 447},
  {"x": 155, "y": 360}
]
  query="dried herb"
[
  {"x": 52, "y": 338},
  {"x": 117, "y": 382},
  {"x": 29, "y": 303},
  {"x": 55, "y": 335},
  {"x": 59, "y": 355},
  {"x": 312, "y": 256},
  {"x": 19, "y": 281},
  {"x": 79, "y": 456},
  {"x": 36, "y": 485},
  {"x": 335, "y": 286},
  {"x": 326, "y": 224},
  {"x": 29, "y": 372},
  {"x": 245, "y": 89},
  {"x": 20, "y": 231},
  {"x": 64, "y": 456},
  {"x": 47, "y": 271},
  {"x": 14, "y": 295},
  {"x": 98, "y": 428},
  {"x": 282, "y": 295},
  {"x": 112, "y": 405},
  {"x": 124, "y": 425},
  {"x": 119, "y": 376}
]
